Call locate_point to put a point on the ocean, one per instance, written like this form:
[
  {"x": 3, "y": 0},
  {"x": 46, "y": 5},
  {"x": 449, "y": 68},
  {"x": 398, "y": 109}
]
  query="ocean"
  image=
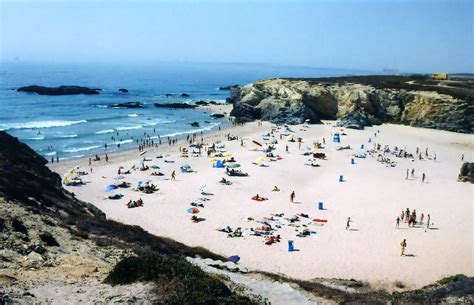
[{"x": 72, "y": 126}]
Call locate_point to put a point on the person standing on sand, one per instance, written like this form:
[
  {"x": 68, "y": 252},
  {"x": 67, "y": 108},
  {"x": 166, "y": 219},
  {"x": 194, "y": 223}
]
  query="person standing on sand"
[
  {"x": 292, "y": 196},
  {"x": 57, "y": 159},
  {"x": 402, "y": 216},
  {"x": 462, "y": 157},
  {"x": 52, "y": 159},
  {"x": 421, "y": 218},
  {"x": 423, "y": 177},
  {"x": 286, "y": 149},
  {"x": 413, "y": 173},
  {"x": 403, "y": 246},
  {"x": 348, "y": 223},
  {"x": 90, "y": 161},
  {"x": 398, "y": 223},
  {"x": 408, "y": 171},
  {"x": 428, "y": 222},
  {"x": 106, "y": 158},
  {"x": 407, "y": 214},
  {"x": 173, "y": 176}
]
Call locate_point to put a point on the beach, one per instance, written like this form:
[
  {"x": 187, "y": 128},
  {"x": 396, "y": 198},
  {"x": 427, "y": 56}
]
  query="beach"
[{"x": 373, "y": 194}]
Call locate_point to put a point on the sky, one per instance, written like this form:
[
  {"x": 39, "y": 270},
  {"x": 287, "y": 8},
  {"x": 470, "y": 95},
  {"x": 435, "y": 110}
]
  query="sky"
[{"x": 423, "y": 36}]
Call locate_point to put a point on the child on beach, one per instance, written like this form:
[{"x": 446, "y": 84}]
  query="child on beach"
[
  {"x": 403, "y": 246},
  {"x": 348, "y": 223}
]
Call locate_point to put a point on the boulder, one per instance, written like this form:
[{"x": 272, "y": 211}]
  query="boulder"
[
  {"x": 194, "y": 124},
  {"x": 217, "y": 115},
  {"x": 228, "y": 88},
  {"x": 466, "y": 173},
  {"x": 184, "y": 95},
  {"x": 62, "y": 90},
  {"x": 123, "y": 90},
  {"x": 355, "y": 120},
  {"x": 202, "y": 103}
]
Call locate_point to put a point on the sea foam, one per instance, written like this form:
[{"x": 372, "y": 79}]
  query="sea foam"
[{"x": 39, "y": 124}]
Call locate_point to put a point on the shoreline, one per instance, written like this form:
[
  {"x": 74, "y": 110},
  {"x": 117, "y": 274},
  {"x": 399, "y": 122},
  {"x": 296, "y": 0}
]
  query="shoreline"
[{"x": 122, "y": 154}]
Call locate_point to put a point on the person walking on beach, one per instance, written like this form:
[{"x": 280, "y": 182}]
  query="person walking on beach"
[
  {"x": 57, "y": 159},
  {"x": 52, "y": 159},
  {"x": 428, "y": 221},
  {"x": 398, "y": 223},
  {"x": 408, "y": 171},
  {"x": 402, "y": 216},
  {"x": 413, "y": 173},
  {"x": 286, "y": 149},
  {"x": 90, "y": 161},
  {"x": 421, "y": 218},
  {"x": 403, "y": 246},
  {"x": 292, "y": 196},
  {"x": 407, "y": 214},
  {"x": 423, "y": 177},
  {"x": 173, "y": 176},
  {"x": 348, "y": 223}
]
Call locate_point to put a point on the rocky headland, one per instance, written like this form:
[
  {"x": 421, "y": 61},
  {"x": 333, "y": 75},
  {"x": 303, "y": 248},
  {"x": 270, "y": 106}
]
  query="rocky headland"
[{"x": 358, "y": 101}]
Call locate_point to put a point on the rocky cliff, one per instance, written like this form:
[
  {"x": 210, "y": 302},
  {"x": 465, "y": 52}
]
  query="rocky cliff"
[{"x": 358, "y": 101}]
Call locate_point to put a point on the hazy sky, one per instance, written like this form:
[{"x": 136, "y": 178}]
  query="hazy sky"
[{"x": 412, "y": 36}]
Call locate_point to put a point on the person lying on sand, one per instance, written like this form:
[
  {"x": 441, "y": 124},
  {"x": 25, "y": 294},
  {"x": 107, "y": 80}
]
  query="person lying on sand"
[
  {"x": 135, "y": 204},
  {"x": 157, "y": 174},
  {"x": 272, "y": 239},
  {"x": 196, "y": 219},
  {"x": 275, "y": 189},
  {"x": 258, "y": 198}
]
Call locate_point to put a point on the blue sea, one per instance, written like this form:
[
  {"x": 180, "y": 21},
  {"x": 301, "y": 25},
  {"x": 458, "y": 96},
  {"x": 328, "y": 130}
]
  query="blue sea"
[{"x": 72, "y": 126}]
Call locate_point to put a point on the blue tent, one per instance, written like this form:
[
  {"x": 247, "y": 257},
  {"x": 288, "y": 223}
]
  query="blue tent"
[{"x": 218, "y": 164}]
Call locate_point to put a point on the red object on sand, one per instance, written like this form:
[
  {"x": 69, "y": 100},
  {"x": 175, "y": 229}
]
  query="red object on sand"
[
  {"x": 255, "y": 142},
  {"x": 320, "y": 220}
]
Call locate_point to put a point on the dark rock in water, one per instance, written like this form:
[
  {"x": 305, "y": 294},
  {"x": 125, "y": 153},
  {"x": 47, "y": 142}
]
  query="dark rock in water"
[
  {"x": 355, "y": 120},
  {"x": 62, "y": 90},
  {"x": 168, "y": 94},
  {"x": 127, "y": 105},
  {"x": 202, "y": 103},
  {"x": 123, "y": 90},
  {"x": 194, "y": 124},
  {"x": 175, "y": 105},
  {"x": 48, "y": 239},
  {"x": 217, "y": 115},
  {"x": 467, "y": 172},
  {"x": 229, "y": 87},
  {"x": 207, "y": 122},
  {"x": 184, "y": 95}
]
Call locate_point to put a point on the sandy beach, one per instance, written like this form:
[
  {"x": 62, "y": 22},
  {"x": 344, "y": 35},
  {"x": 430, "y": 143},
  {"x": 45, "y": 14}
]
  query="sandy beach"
[{"x": 373, "y": 194}]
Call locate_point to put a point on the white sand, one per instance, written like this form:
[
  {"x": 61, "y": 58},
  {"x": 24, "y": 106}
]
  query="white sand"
[{"x": 373, "y": 196}]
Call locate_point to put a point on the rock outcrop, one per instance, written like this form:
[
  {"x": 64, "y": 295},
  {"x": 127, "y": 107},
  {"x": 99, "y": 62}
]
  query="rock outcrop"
[
  {"x": 123, "y": 90},
  {"x": 372, "y": 101},
  {"x": 175, "y": 105},
  {"x": 466, "y": 174},
  {"x": 62, "y": 90},
  {"x": 127, "y": 105}
]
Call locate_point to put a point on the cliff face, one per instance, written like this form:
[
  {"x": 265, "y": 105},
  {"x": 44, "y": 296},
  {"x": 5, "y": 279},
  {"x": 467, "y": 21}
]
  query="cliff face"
[{"x": 355, "y": 104}]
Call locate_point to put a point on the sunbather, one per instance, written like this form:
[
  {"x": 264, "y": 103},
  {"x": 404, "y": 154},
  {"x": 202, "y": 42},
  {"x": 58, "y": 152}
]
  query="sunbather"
[{"x": 275, "y": 189}]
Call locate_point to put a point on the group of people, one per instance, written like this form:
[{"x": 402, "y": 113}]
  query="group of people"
[{"x": 411, "y": 219}]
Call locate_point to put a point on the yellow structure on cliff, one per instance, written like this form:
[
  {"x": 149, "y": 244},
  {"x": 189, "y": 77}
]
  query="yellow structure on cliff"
[{"x": 440, "y": 76}]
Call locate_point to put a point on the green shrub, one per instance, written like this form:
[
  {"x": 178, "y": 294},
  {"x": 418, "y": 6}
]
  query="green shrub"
[{"x": 192, "y": 285}]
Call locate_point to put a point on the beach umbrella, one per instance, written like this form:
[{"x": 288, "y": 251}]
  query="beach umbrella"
[{"x": 193, "y": 210}]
